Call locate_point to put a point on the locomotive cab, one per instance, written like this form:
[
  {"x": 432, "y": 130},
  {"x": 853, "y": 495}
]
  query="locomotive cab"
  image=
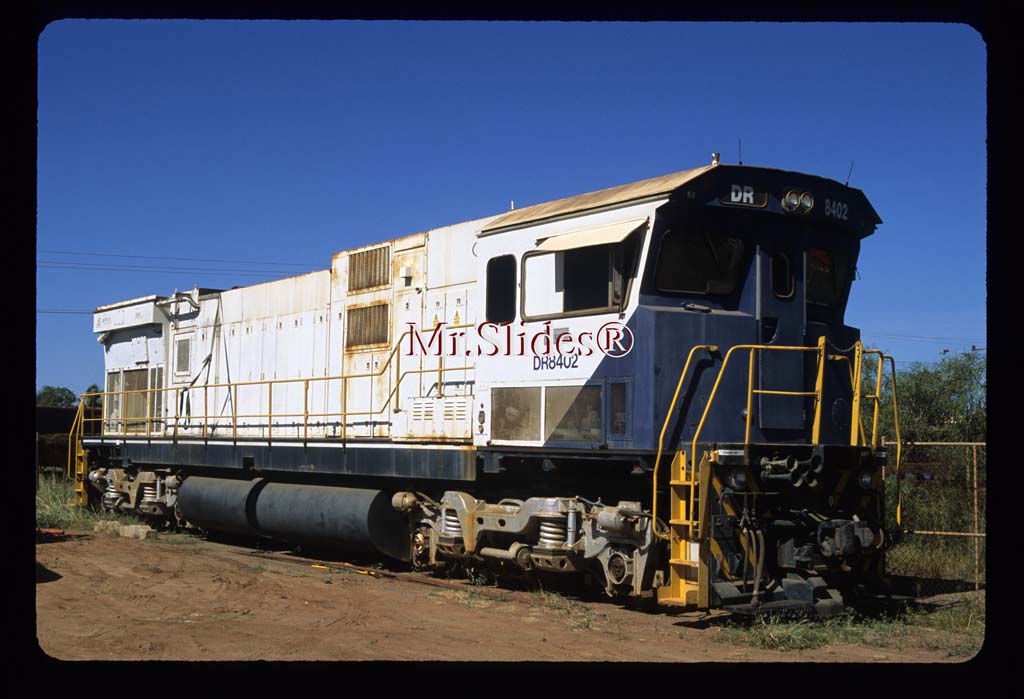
[{"x": 768, "y": 440}]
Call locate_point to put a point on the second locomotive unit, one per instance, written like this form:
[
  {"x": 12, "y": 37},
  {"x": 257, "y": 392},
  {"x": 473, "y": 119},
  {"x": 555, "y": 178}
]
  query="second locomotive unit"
[{"x": 651, "y": 385}]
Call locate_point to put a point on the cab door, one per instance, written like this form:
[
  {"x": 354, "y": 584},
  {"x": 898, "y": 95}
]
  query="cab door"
[{"x": 780, "y": 314}]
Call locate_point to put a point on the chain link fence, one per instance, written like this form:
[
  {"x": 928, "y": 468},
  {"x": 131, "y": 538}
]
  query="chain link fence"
[{"x": 942, "y": 502}]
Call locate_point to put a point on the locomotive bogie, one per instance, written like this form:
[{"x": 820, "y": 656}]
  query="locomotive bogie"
[{"x": 147, "y": 493}]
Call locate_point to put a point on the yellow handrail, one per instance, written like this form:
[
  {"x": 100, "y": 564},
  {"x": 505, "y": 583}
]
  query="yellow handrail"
[
  {"x": 750, "y": 388},
  {"x": 344, "y": 413},
  {"x": 819, "y": 387},
  {"x": 876, "y": 396},
  {"x": 899, "y": 441},
  {"x": 878, "y": 400},
  {"x": 842, "y": 357},
  {"x": 73, "y": 437},
  {"x": 855, "y": 421},
  {"x": 664, "y": 429},
  {"x": 817, "y": 393},
  {"x": 858, "y": 362}
]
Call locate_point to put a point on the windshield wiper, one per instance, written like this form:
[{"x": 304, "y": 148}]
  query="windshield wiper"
[{"x": 714, "y": 253}]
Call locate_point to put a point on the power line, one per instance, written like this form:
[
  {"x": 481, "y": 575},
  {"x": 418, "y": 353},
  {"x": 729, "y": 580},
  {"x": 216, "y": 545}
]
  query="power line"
[
  {"x": 921, "y": 337},
  {"x": 155, "y": 270},
  {"x": 48, "y": 310},
  {"x": 918, "y": 337},
  {"x": 115, "y": 265},
  {"x": 180, "y": 259},
  {"x": 928, "y": 342}
]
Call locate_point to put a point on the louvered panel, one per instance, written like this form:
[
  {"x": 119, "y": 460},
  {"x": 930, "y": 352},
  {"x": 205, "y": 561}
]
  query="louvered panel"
[
  {"x": 369, "y": 269},
  {"x": 456, "y": 409},
  {"x": 423, "y": 410},
  {"x": 367, "y": 325}
]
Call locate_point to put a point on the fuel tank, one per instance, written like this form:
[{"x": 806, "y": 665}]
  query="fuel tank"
[{"x": 355, "y": 519}]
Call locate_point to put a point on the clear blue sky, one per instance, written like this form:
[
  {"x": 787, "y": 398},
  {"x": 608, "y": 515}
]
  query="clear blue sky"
[{"x": 280, "y": 143}]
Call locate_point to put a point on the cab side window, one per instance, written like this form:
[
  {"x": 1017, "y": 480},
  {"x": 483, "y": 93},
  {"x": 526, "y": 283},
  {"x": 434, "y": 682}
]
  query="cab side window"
[
  {"x": 501, "y": 289},
  {"x": 783, "y": 280}
]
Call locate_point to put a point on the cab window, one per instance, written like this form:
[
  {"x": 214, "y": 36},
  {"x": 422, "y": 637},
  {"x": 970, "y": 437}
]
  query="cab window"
[
  {"x": 701, "y": 263},
  {"x": 501, "y": 289},
  {"x": 827, "y": 274},
  {"x": 579, "y": 281},
  {"x": 783, "y": 280}
]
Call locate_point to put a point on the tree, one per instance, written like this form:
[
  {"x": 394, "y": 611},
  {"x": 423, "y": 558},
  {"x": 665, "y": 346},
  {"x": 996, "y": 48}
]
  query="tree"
[
  {"x": 944, "y": 401},
  {"x": 58, "y": 396},
  {"x": 93, "y": 401}
]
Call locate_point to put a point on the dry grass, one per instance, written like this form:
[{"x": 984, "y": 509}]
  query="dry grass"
[
  {"x": 577, "y": 615},
  {"x": 958, "y": 629},
  {"x": 55, "y": 506}
]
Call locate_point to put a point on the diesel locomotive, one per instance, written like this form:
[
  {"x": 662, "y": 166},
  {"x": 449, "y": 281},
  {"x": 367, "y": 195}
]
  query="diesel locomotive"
[{"x": 651, "y": 386}]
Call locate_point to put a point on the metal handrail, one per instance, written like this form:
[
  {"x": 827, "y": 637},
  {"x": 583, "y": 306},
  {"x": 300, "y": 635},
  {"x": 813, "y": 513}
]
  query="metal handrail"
[
  {"x": 664, "y": 429},
  {"x": 751, "y": 391},
  {"x": 899, "y": 441},
  {"x": 849, "y": 366},
  {"x": 269, "y": 382},
  {"x": 76, "y": 425},
  {"x": 876, "y": 397},
  {"x": 820, "y": 348},
  {"x": 343, "y": 413}
]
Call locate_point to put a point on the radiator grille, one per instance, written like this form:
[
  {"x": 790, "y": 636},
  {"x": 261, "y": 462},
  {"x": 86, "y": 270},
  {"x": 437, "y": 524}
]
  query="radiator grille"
[
  {"x": 367, "y": 325},
  {"x": 369, "y": 269}
]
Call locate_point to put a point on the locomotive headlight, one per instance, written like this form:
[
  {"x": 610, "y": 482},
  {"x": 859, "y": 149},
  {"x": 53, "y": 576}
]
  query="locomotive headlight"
[
  {"x": 866, "y": 480},
  {"x": 738, "y": 480},
  {"x": 791, "y": 201},
  {"x": 806, "y": 202}
]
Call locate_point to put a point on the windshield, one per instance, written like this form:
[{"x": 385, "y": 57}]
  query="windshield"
[
  {"x": 699, "y": 263},
  {"x": 827, "y": 274}
]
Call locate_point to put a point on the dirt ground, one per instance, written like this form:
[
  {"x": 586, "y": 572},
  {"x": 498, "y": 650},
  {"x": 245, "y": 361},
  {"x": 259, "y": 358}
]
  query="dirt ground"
[{"x": 103, "y": 597}]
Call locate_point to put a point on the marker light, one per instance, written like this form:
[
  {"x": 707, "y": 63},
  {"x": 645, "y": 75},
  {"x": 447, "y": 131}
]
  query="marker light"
[
  {"x": 791, "y": 201},
  {"x": 806, "y": 202}
]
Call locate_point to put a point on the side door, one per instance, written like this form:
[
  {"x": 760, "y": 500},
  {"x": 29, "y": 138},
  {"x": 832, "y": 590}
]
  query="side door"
[{"x": 780, "y": 311}]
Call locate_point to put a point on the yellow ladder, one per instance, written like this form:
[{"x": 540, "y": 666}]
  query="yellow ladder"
[
  {"x": 81, "y": 457},
  {"x": 81, "y": 473},
  {"x": 684, "y": 535}
]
